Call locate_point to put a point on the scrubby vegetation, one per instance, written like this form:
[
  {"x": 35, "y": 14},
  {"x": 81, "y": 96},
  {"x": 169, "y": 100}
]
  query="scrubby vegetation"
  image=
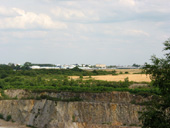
[
  {"x": 157, "y": 113},
  {"x": 58, "y": 80},
  {"x": 1, "y": 116},
  {"x": 8, "y": 118}
]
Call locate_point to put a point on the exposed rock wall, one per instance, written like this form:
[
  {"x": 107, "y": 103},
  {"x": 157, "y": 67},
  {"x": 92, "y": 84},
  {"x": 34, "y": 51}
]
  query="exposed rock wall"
[
  {"x": 111, "y": 97},
  {"x": 98, "y": 110}
]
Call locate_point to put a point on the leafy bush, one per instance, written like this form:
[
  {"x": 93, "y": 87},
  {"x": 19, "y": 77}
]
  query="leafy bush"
[
  {"x": 1, "y": 116},
  {"x": 8, "y": 118}
]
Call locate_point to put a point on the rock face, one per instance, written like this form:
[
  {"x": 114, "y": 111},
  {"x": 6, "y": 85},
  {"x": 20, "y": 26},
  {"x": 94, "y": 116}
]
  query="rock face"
[{"x": 97, "y": 110}]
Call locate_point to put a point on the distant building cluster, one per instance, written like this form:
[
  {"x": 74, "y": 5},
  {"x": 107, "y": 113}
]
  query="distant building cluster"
[
  {"x": 86, "y": 66},
  {"x": 71, "y": 66},
  {"x": 65, "y": 66}
]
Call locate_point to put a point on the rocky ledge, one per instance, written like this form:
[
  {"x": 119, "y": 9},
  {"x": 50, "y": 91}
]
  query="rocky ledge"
[{"x": 96, "y": 110}]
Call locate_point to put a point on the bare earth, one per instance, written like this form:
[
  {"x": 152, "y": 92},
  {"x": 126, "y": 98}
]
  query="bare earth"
[
  {"x": 5, "y": 124},
  {"x": 132, "y": 77}
]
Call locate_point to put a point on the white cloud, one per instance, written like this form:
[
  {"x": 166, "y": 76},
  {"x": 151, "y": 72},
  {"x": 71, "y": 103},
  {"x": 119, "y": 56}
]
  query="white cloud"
[
  {"x": 113, "y": 25},
  {"x": 127, "y": 2},
  {"x": 75, "y": 14},
  {"x": 153, "y": 6},
  {"x": 137, "y": 32},
  {"x": 28, "y": 34},
  {"x": 4, "y": 39},
  {"x": 68, "y": 13},
  {"x": 6, "y": 12},
  {"x": 29, "y": 20},
  {"x": 84, "y": 28}
]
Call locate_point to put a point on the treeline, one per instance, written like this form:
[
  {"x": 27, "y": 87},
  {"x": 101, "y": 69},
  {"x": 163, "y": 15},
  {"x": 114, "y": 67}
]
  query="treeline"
[{"x": 6, "y": 70}]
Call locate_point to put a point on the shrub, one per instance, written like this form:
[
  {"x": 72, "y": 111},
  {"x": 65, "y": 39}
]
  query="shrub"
[
  {"x": 8, "y": 118},
  {"x": 1, "y": 116},
  {"x": 120, "y": 72},
  {"x": 31, "y": 126}
]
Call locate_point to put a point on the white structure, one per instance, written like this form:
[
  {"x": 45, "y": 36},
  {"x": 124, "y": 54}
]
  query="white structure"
[
  {"x": 38, "y": 67},
  {"x": 102, "y": 66}
]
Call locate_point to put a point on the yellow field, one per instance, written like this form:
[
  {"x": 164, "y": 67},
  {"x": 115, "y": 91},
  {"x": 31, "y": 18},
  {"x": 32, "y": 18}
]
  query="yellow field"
[{"x": 131, "y": 76}]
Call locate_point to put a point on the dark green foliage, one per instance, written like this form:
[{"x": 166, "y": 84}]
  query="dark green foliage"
[
  {"x": 58, "y": 99},
  {"x": 1, "y": 116},
  {"x": 25, "y": 70},
  {"x": 3, "y": 95},
  {"x": 114, "y": 72},
  {"x": 3, "y": 75},
  {"x": 95, "y": 72},
  {"x": 8, "y": 118},
  {"x": 51, "y": 98},
  {"x": 136, "y": 65},
  {"x": 31, "y": 126},
  {"x": 77, "y": 69},
  {"x": 97, "y": 89},
  {"x": 157, "y": 114},
  {"x": 120, "y": 72},
  {"x": 145, "y": 94},
  {"x": 73, "y": 118},
  {"x": 4, "y": 71},
  {"x": 26, "y": 66},
  {"x": 81, "y": 77},
  {"x": 2, "y": 84}
]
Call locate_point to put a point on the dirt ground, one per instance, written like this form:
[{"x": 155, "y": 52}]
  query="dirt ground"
[
  {"x": 132, "y": 77},
  {"x": 5, "y": 124}
]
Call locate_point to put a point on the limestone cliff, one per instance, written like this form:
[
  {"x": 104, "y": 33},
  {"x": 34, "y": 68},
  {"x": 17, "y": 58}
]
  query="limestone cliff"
[{"x": 96, "y": 110}]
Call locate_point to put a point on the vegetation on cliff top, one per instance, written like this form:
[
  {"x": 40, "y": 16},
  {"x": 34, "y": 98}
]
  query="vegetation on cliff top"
[
  {"x": 58, "y": 80},
  {"x": 157, "y": 114}
]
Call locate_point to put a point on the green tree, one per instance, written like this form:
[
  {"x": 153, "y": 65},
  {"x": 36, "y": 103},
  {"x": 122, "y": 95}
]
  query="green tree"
[
  {"x": 136, "y": 65},
  {"x": 26, "y": 65},
  {"x": 157, "y": 114},
  {"x": 77, "y": 69},
  {"x": 2, "y": 83}
]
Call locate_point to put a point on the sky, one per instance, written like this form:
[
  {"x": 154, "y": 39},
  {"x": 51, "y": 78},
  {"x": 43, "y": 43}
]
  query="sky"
[{"x": 111, "y": 32}]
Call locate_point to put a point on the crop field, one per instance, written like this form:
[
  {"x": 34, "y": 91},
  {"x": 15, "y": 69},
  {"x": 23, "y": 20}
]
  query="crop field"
[
  {"x": 121, "y": 77},
  {"x": 133, "y": 75}
]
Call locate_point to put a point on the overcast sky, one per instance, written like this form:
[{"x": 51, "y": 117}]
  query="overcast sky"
[{"x": 112, "y": 32}]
